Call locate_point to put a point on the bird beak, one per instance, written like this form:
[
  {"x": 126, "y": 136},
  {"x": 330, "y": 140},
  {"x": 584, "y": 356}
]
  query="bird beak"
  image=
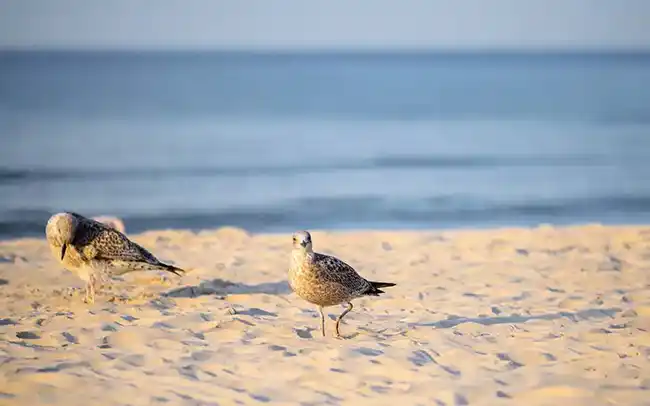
[
  {"x": 303, "y": 243},
  {"x": 63, "y": 248}
]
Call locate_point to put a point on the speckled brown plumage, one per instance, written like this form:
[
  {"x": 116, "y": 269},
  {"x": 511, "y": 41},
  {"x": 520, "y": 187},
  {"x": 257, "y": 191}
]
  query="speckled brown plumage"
[
  {"x": 95, "y": 251},
  {"x": 325, "y": 280}
]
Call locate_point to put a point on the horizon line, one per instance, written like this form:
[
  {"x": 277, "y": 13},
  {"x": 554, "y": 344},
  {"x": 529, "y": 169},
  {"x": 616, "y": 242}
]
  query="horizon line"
[{"x": 338, "y": 51}]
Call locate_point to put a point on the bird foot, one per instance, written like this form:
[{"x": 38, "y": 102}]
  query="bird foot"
[{"x": 89, "y": 298}]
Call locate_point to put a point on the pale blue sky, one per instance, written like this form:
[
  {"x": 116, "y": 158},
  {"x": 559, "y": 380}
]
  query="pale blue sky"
[{"x": 338, "y": 24}]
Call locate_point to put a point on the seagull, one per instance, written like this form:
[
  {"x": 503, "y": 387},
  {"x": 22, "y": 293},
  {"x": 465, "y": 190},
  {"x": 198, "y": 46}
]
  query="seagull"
[
  {"x": 94, "y": 250},
  {"x": 325, "y": 281}
]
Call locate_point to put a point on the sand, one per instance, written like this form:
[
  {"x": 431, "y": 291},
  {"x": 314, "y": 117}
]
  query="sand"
[{"x": 541, "y": 316}]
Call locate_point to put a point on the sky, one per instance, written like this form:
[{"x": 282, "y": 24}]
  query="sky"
[{"x": 325, "y": 24}]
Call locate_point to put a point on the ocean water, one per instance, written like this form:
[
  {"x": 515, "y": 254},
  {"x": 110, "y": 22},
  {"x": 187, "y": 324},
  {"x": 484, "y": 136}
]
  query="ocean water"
[{"x": 277, "y": 142}]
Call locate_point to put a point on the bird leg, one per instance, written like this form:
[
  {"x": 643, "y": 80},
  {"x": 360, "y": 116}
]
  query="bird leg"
[
  {"x": 90, "y": 290},
  {"x": 338, "y": 320},
  {"x": 322, "y": 320}
]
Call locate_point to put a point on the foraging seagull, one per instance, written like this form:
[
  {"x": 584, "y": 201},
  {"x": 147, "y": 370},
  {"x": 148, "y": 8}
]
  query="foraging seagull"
[
  {"x": 94, "y": 250},
  {"x": 326, "y": 281}
]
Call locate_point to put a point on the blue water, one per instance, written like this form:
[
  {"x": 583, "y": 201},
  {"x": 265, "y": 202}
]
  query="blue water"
[{"x": 278, "y": 142}]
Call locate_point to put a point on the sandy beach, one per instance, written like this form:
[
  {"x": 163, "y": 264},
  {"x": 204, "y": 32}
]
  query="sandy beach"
[{"x": 535, "y": 316}]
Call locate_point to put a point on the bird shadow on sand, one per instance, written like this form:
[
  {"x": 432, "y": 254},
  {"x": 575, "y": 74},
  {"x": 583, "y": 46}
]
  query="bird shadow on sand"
[
  {"x": 315, "y": 333},
  {"x": 454, "y": 321},
  {"x": 4, "y": 282},
  {"x": 223, "y": 287}
]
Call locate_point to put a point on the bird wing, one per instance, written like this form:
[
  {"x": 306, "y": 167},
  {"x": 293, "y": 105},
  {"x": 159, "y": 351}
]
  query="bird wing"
[
  {"x": 334, "y": 270},
  {"x": 98, "y": 241}
]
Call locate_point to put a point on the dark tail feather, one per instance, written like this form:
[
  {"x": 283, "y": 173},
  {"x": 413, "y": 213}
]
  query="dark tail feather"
[
  {"x": 175, "y": 270},
  {"x": 374, "y": 287}
]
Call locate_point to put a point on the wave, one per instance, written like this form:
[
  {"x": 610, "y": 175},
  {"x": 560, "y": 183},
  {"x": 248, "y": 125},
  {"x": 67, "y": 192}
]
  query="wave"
[
  {"x": 367, "y": 212},
  {"x": 14, "y": 175},
  {"x": 409, "y": 161}
]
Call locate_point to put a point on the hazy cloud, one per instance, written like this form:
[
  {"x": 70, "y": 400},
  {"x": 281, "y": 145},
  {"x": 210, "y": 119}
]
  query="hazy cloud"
[{"x": 264, "y": 24}]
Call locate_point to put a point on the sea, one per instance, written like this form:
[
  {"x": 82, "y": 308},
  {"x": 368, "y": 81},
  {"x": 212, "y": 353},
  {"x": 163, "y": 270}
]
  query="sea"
[{"x": 279, "y": 141}]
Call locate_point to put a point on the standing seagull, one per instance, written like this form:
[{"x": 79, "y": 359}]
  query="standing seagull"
[
  {"x": 326, "y": 281},
  {"x": 94, "y": 250}
]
